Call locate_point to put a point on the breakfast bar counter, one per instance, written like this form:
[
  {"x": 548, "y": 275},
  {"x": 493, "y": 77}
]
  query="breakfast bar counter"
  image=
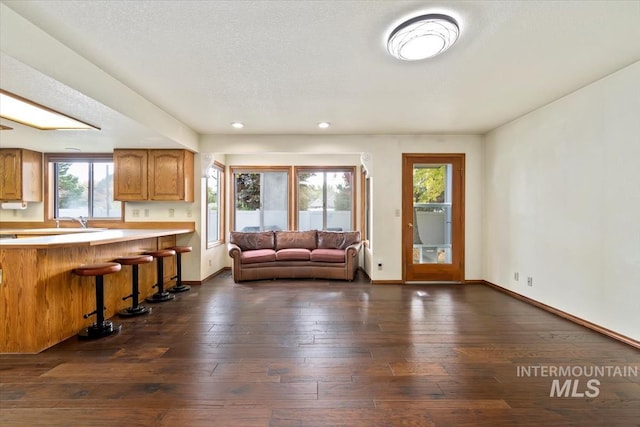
[
  {"x": 74, "y": 237},
  {"x": 42, "y": 302}
]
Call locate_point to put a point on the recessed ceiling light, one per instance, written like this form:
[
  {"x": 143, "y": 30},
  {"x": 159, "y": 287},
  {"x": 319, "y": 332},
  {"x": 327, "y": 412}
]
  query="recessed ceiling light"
[
  {"x": 29, "y": 113},
  {"x": 423, "y": 37},
  {"x": 324, "y": 125},
  {"x": 237, "y": 125},
  {"x": 71, "y": 148}
]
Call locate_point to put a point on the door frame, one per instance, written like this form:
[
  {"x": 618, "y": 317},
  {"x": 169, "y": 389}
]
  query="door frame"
[{"x": 453, "y": 272}]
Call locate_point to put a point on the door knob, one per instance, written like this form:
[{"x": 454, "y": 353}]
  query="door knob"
[{"x": 410, "y": 225}]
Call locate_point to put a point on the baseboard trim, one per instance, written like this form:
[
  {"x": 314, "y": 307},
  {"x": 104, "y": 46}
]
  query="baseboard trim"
[
  {"x": 211, "y": 276},
  {"x": 387, "y": 282},
  {"x": 604, "y": 331}
]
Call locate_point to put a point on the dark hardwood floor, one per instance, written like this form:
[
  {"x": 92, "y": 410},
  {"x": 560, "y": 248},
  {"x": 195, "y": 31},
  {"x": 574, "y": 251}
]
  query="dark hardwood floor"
[{"x": 327, "y": 353}]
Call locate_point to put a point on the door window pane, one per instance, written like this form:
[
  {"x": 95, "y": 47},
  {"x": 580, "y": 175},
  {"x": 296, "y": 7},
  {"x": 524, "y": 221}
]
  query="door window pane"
[{"x": 432, "y": 214}]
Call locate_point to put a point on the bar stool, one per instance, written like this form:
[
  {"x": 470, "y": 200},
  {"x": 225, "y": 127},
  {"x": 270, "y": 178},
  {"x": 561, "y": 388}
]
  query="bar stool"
[
  {"x": 179, "y": 287},
  {"x": 101, "y": 328},
  {"x": 134, "y": 261},
  {"x": 161, "y": 295}
]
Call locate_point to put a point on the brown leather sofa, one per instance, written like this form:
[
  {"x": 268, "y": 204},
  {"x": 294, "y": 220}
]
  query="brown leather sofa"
[{"x": 294, "y": 254}]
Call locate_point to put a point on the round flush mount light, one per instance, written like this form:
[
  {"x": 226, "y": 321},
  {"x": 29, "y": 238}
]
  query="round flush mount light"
[
  {"x": 423, "y": 37},
  {"x": 237, "y": 125},
  {"x": 324, "y": 125}
]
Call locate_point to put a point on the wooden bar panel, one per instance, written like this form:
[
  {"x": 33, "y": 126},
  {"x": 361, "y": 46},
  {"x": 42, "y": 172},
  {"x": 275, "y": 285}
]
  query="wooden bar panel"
[{"x": 42, "y": 302}]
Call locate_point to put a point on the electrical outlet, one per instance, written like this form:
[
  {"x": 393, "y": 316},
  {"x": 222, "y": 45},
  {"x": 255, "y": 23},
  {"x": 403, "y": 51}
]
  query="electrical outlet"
[
  {"x": 379, "y": 264},
  {"x": 516, "y": 276},
  {"x": 146, "y": 212},
  {"x": 189, "y": 213},
  {"x": 209, "y": 263},
  {"x": 136, "y": 213},
  {"x": 172, "y": 212},
  {"x": 529, "y": 281}
]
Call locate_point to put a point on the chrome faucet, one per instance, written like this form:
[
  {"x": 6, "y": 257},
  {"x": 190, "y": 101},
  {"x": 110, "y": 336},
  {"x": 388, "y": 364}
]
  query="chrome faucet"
[{"x": 82, "y": 220}]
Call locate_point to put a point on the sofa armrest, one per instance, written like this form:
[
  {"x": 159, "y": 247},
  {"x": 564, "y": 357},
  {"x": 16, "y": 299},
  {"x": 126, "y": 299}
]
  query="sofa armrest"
[
  {"x": 234, "y": 250},
  {"x": 352, "y": 250},
  {"x": 352, "y": 258}
]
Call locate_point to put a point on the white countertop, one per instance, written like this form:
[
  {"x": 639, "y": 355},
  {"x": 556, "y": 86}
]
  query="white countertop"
[
  {"x": 87, "y": 238},
  {"x": 48, "y": 231}
]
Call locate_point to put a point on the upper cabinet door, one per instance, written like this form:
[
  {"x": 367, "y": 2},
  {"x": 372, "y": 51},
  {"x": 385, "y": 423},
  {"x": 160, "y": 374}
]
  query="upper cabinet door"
[
  {"x": 20, "y": 175},
  {"x": 10, "y": 174},
  {"x": 130, "y": 175},
  {"x": 171, "y": 175}
]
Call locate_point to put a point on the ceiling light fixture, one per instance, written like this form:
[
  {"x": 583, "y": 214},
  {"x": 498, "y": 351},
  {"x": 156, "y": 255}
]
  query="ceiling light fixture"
[
  {"x": 237, "y": 125},
  {"x": 324, "y": 125},
  {"x": 26, "y": 112},
  {"x": 423, "y": 37}
]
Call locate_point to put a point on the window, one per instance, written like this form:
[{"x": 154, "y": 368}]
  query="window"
[
  {"x": 366, "y": 204},
  {"x": 325, "y": 198},
  {"x": 215, "y": 204},
  {"x": 83, "y": 186},
  {"x": 261, "y": 199}
]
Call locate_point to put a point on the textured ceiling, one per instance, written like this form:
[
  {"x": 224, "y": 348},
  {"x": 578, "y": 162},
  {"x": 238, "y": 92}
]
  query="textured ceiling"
[{"x": 282, "y": 66}]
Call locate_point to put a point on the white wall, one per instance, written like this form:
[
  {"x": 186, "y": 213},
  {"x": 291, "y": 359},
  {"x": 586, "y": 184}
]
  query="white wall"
[
  {"x": 386, "y": 171},
  {"x": 562, "y": 203},
  {"x": 33, "y": 213}
]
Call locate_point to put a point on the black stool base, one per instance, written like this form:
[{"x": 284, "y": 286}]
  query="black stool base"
[
  {"x": 104, "y": 329},
  {"x": 138, "y": 311},
  {"x": 179, "y": 288},
  {"x": 160, "y": 297}
]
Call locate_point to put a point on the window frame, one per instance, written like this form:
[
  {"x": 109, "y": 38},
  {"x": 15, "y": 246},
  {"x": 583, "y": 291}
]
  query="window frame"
[
  {"x": 50, "y": 191},
  {"x": 220, "y": 169},
  {"x": 324, "y": 169}
]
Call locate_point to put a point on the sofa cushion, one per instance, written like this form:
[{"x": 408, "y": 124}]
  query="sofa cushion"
[
  {"x": 295, "y": 239},
  {"x": 293, "y": 254},
  {"x": 258, "y": 255},
  {"x": 337, "y": 239},
  {"x": 248, "y": 241},
  {"x": 328, "y": 255}
]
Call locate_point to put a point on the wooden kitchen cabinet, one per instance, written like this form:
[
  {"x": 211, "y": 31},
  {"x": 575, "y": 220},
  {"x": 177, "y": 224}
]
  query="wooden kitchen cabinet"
[
  {"x": 130, "y": 175},
  {"x": 20, "y": 175},
  {"x": 171, "y": 175},
  {"x": 163, "y": 175}
]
